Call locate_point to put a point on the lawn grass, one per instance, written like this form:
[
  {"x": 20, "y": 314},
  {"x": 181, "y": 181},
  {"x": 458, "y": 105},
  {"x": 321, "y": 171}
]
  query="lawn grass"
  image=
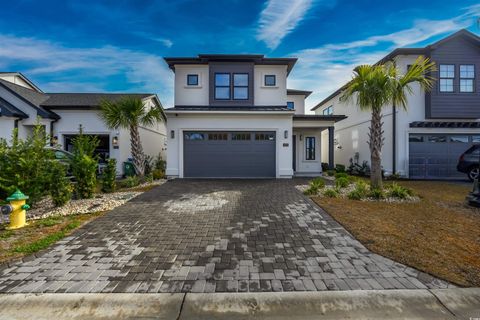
[
  {"x": 439, "y": 235},
  {"x": 39, "y": 235}
]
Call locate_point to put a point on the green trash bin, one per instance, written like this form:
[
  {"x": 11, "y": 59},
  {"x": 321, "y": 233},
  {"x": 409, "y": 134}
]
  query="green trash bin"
[{"x": 128, "y": 169}]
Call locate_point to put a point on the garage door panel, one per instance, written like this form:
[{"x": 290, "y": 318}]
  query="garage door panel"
[{"x": 228, "y": 158}]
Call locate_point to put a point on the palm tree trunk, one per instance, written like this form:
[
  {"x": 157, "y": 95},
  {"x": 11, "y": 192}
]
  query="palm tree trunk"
[
  {"x": 376, "y": 143},
  {"x": 137, "y": 151}
]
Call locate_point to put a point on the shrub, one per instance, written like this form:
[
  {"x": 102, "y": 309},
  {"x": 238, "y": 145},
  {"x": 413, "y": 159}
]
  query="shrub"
[
  {"x": 131, "y": 182},
  {"x": 397, "y": 191},
  {"x": 324, "y": 166},
  {"x": 159, "y": 163},
  {"x": 360, "y": 191},
  {"x": 330, "y": 173},
  {"x": 158, "y": 174},
  {"x": 331, "y": 193},
  {"x": 339, "y": 168},
  {"x": 319, "y": 182},
  {"x": 25, "y": 164},
  {"x": 109, "y": 176},
  {"x": 311, "y": 190},
  {"x": 341, "y": 175},
  {"x": 376, "y": 193},
  {"x": 148, "y": 178},
  {"x": 84, "y": 165},
  {"x": 342, "y": 182},
  {"x": 60, "y": 186}
]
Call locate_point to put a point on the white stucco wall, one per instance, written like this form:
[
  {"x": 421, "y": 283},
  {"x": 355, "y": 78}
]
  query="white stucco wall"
[
  {"x": 6, "y": 127},
  {"x": 270, "y": 96},
  {"x": 302, "y": 164},
  {"x": 298, "y": 103},
  {"x": 229, "y": 122},
  {"x": 13, "y": 78},
  {"x": 191, "y": 95}
]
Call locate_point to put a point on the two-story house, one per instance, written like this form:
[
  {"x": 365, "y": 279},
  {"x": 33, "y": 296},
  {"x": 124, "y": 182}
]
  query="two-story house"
[
  {"x": 23, "y": 105},
  {"x": 235, "y": 118},
  {"x": 426, "y": 140}
]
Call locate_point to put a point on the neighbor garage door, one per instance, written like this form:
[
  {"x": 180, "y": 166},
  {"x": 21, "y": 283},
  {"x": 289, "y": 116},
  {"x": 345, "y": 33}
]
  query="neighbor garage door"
[
  {"x": 435, "y": 156},
  {"x": 214, "y": 154}
]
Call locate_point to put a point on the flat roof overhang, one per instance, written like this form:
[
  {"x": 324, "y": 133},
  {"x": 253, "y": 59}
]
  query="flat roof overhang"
[{"x": 315, "y": 121}]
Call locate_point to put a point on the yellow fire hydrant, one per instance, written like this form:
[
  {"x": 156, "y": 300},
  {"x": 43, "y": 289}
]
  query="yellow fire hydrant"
[{"x": 16, "y": 209}]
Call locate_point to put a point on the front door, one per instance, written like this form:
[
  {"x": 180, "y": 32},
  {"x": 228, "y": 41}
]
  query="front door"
[{"x": 294, "y": 152}]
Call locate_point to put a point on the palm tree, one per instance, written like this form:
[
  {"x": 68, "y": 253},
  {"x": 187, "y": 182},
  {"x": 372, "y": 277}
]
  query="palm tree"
[
  {"x": 376, "y": 86},
  {"x": 129, "y": 113}
]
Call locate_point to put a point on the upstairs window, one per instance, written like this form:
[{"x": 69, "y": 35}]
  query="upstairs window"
[
  {"x": 222, "y": 86},
  {"x": 447, "y": 74},
  {"x": 290, "y": 105},
  {"x": 327, "y": 111},
  {"x": 467, "y": 76},
  {"x": 240, "y": 86},
  {"x": 192, "y": 80},
  {"x": 270, "y": 80}
]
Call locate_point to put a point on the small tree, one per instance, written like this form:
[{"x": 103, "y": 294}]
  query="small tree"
[
  {"x": 60, "y": 186},
  {"x": 84, "y": 165},
  {"x": 376, "y": 86},
  {"x": 109, "y": 176},
  {"x": 129, "y": 113}
]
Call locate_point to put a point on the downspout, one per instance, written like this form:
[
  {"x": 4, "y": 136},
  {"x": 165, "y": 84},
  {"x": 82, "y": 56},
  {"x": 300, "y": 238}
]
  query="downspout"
[
  {"x": 394, "y": 139},
  {"x": 51, "y": 132},
  {"x": 15, "y": 123}
]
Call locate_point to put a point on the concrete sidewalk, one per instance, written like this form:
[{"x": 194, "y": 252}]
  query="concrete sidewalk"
[{"x": 373, "y": 304}]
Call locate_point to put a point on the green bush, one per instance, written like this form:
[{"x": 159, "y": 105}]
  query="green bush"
[
  {"x": 397, "y": 191},
  {"x": 109, "y": 176},
  {"x": 331, "y": 193},
  {"x": 319, "y": 182},
  {"x": 360, "y": 191},
  {"x": 159, "y": 163},
  {"x": 60, "y": 186},
  {"x": 84, "y": 165},
  {"x": 339, "y": 168},
  {"x": 330, "y": 173},
  {"x": 311, "y": 190},
  {"x": 341, "y": 175},
  {"x": 342, "y": 182},
  {"x": 131, "y": 182},
  {"x": 148, "y": 177},
  {"x": 158, "y": 174},
  {"x": 25, "y": 164},
  {"x": 376, "y": 193}
]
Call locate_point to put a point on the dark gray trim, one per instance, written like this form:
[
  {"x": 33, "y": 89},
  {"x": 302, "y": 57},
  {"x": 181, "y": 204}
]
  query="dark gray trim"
[
  {"x": 9, "y": 110},
  {"x": 21, "y": 75},
  {"x": 258, "y": 59},
  {"x": 445, "y": 124},
  {"x": 307, "y": 117},
  {"x": 231, "y": 68},
  {"x": 229, "y": 108},
  {"x": 331, "y": 148},
  {"x": 293, "y": 92},
  {"x": 314, "y": 148},
  {"x": 394, "y": 138},
  {"x": 188, "y": 79}
]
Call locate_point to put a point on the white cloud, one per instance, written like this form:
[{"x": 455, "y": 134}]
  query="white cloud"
[
  {"x": 90, "y": 67},
  {"x": 326, "y": 68},
  {"x": 279, "y": 18}
]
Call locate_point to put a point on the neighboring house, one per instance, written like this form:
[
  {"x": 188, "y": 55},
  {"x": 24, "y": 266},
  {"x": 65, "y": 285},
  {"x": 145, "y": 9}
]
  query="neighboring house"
[
  {"x": 426, "y": 140},
  {"x": 22, "y": 105},
  {"x": 235, "y": 117}
]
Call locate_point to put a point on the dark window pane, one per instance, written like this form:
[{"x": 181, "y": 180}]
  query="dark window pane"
[
  {"x": 222, "y": 79},
  {"x": 270, "y": 80},
  {"x": 240, "y": 93},
  {"x": 415, "y": 138},
  {"x": 290, "y": 105},
  {"x": 240, "y": 79},
  {"x": 310, "y": 148},
  {"x": 265, "y": 136},
  {"x": 462, "y": 139},
  {"x": 240, "y": 136},
  {"x": 222, "y": 93},
  {"x": 437, "y": 138},
  {"x": 194, "y": 136},
  {"x": 475, "y": 139},
  {"x": 192, "y": 79},
  {"x": 218, "y": 136}
]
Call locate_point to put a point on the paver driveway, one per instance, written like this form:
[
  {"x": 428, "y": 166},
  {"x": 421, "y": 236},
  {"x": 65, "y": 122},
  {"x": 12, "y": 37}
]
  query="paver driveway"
[{"x": 206, "y": 236}]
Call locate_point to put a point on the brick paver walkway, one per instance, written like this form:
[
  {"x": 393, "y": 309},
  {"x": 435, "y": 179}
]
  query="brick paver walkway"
[{"x": 212, "y": 236}]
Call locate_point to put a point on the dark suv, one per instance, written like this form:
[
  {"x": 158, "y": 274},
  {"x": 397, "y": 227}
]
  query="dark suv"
[{"x": 468, "y": 162}]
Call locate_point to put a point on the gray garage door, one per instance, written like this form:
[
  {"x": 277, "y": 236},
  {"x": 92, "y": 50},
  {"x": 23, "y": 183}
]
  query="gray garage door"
[
  {"x": 435, "y": 156},
  {"x": 214, "y": 154}
]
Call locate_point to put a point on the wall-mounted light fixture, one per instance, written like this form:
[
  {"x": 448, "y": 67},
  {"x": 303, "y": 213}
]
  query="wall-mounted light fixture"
[
  {"x": 115, "y": 142},
  {"x": 172, "y": 134},
  {"x": 285, "y": 134},
  {"x": 301, "y": 137},
  {"x": 54, "y": 141}
]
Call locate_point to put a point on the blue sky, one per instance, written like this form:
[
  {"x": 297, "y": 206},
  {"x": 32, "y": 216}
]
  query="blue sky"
[{"x": 117, "y": 46}]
